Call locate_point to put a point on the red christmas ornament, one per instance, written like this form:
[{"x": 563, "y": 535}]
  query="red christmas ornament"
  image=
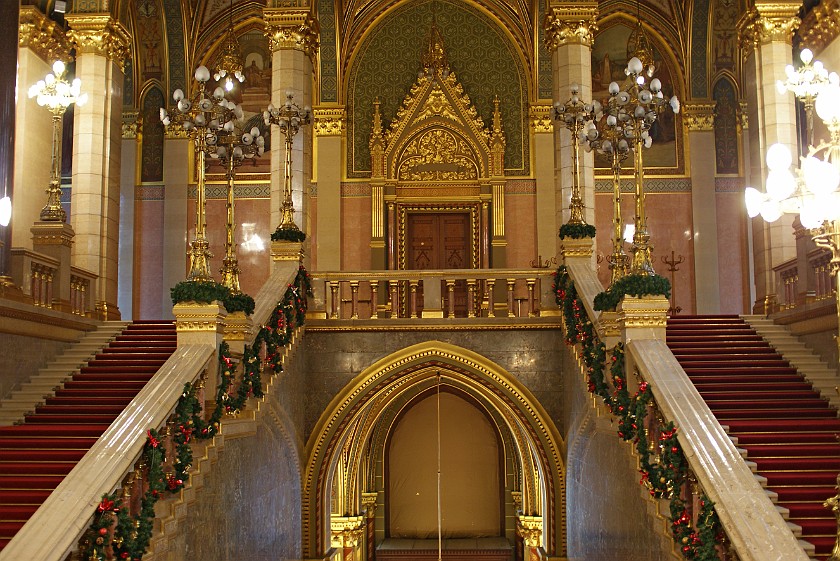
[{"x": 103, "y": 531}]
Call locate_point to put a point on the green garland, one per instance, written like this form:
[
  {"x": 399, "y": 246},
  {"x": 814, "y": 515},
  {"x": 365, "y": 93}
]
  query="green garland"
[
  {"x": 207, "y": 292},
  {"x": 664, "y": 469},
  {"x": 288, "y": 235},
  {"x": 114, "y": 532},
  {"x": 632, "y": 285},
  {"x": 577, "y": 231}
]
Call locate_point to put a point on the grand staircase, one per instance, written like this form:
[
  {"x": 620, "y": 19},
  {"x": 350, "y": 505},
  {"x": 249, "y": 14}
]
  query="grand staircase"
[
  {"x": 38, "y": 453},
  {"x": 786, "y": 428}
]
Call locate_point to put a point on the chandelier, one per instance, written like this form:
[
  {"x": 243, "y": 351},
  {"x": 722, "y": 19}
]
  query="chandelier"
[{"x": 230, "y": 66}]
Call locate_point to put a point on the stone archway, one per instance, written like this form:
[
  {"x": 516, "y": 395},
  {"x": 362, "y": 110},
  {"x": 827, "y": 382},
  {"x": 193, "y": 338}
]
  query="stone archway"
[{"x": 339, "y": 476}]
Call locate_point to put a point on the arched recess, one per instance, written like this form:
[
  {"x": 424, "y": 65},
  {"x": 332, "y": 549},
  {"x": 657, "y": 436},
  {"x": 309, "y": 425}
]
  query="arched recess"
[{"x": 349, "y": 435}]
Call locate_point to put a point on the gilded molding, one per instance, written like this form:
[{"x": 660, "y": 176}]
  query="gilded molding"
[
  {"x": 329, "y": 121},
  {"x": 61, "y": 237},
  {"x": 101, "y": 35},
  {"x": 539, "y": 117},
  {"x": 292, "y": 28},
  {"x": 346, "y": 531},
  {"x": 40, "y": 34},
  {"x": 570, "y": 24},
  {"x": 821, "y": 26},
  {"x": 176, "y": 130},
  {"x": 699, "y": 117},
  {"x": 131, "y": 124},
  {"x": 286, "y": 251},
  {"x": 237, "y": 327},
  {"x": 530, "y": 528},
  {"x": 572, "y": 247},
  {"x": 643, "y": 311},
  {"x": 768, "y": 23},
  {"x": 743, "y": 117}
]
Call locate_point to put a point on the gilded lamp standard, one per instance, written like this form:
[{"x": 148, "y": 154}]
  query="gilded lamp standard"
[
  {"x": 607, "y": 135},
  {"x": 811, "y": 190},
  {"x": 636, "y": 104},
  {"x": 289, "y": 117},
  {"x": 232, "y": 148},
  {"x": 56, "y": 94},
  {"x": 204, "y": 117},
  {"x": 573, "y": 115},
  {"x": 805, "y": 82}
]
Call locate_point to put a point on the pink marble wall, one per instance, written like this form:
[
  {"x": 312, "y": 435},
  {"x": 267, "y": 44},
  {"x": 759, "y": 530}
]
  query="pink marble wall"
[
  {"x": 148, "y": 260},
  {"x": 255, "y": 262},
  {"x": 670, "y": 227},
  {"x": 355, "y": 233},
  {"x": 733, "y": 273},
  {"x": 521, "y": 230}
]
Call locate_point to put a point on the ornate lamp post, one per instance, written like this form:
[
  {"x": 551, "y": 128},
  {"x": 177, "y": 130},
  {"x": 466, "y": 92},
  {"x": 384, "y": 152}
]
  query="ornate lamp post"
[
  {"x": 290, "y": 118},
  {"x": 232, "y": 149},
  {"x": 573, "y": 115},
  {"x": 204, "y": 117},
  {"x": 607, "y": 135},
  {"x": 635, "y": 105},
  {"x": 805, "y": 82},
  {"x": 811, "y": 190},
  {"x": 56, "y": 94}
]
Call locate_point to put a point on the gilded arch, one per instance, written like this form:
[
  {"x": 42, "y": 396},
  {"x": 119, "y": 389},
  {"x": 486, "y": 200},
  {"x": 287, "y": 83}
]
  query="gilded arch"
[{"x": 339, "y": 441}]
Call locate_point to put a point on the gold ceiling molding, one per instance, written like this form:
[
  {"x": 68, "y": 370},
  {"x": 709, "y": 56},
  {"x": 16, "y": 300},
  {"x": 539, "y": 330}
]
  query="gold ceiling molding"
[
  {"x": 329, "y": 121},
  {"x": 41, "y": 35},
  {"x": 292, "y": 28},
  {"x": 570, "y": 24},
  {"x": 821, "y": 26},
  {"x": 769, "y": 22},
  {"x": 699, "y": 117},
  {"x": 539, "y": 117},
  {"x": 99, "y": 34}
]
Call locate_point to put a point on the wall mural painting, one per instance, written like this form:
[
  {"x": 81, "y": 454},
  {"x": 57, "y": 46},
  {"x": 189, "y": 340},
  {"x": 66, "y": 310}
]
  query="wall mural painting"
[
  {"x": 613, "y": 47},
  {"x": 725, "y": 34},
  {"x": 254, "y": 94},
  {"x": 150, "y": 34}
]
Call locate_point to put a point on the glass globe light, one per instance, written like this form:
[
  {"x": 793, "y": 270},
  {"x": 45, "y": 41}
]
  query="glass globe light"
[
  {"x": 770, "y": 210},
  {"x": 779, "y": 157},
  {"x": 780, "y": 184},
  {"x": 810, "y": 215},
  {"x": 806, "y": 56},
  {"x": 828, "y": 103},
  {"x": 821, "y": 177},
  {"x": 753, "y": 198}
]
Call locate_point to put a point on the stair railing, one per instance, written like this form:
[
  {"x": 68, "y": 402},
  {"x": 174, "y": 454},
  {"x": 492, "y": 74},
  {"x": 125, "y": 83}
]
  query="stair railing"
[
  {"x": 114, "y": 461},
  {"x": 754, "y": 529}
]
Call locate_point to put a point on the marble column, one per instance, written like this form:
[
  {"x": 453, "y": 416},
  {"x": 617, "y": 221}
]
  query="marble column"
[
  {"x": 548, "y": 223},
  {"x": 131, "y": 140},
  {"x": 328, "y": 126},
  {"x": 293, "y": 40},
  {"x": 101, "y": 48},
  {"x": 176, "y": 161},
  {"x": 8, "y": 59},
  {"x": 41, "y": 42},
  {"x": 766, "y": 34},
  {"x": 699, "y": 120},
  {"x": 570, "y": 30}
]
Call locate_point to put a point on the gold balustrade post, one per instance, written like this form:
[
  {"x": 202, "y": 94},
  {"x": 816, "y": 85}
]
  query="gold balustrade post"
[
  {"x": 412, "y": 304},
  {"x": 354, "y": 299},
  {"x": 334, "y": 299},
  {"x": 393, "y": 299},
  {"x": 510, "y": 285},
  {"x": 471, "y": 298},
  {"x": 491, "y": 306},
  {"x": 450, "y": 294},
  {"x": 374, "y": 299}
]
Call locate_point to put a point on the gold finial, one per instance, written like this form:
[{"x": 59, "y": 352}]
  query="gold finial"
[{"x": 434, "y": 59}]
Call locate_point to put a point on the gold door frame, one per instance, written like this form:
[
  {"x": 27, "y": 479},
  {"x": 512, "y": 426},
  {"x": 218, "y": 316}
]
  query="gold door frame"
[{"x": 477, "y": 226}]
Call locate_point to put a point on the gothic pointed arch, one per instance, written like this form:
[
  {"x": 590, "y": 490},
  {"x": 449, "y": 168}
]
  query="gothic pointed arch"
[{"x": 343, "y": 448}]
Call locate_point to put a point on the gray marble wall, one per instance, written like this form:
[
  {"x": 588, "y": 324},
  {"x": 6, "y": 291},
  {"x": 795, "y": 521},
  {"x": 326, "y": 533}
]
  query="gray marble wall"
[
  {"x": 22, "y": 357},
  {"x": 608, "y": 519},
  {"x": 334, "y": 359}
]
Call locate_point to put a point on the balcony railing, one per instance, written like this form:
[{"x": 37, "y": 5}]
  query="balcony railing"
[
  {"x": 80, "y": 283},
  {"x": 470, "y": 293},
  {"x": 34, "y": 273}
]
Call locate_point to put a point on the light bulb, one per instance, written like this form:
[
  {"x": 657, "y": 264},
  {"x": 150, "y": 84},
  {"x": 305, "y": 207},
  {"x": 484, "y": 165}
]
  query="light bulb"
[
  {"x": 780, "y": 184},
  {"x": 806, "y": 56},
  {"x": 753, "y": 199},
  {"x": 58, "y": 68},
  {"x": 5, "y": 211},
  {"x": 770, "y": 210},
  {"x": 778, "y": 157}
]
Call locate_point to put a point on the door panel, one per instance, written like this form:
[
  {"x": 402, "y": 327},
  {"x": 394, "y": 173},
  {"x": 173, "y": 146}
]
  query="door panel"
[{"x": 440, "y": 241}]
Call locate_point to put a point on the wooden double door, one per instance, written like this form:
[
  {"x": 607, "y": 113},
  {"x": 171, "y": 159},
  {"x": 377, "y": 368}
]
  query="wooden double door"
[{"x": 440, "y": 240}]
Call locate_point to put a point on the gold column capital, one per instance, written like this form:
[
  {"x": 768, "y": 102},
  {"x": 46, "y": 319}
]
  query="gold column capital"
[
  {"x": 821, "y": 25},
  {"x": 769, "y": 22},
  {"x": 539, "y": 117},
  {"x": 570, "y": 23},
  {"x": 131, "y": 123},
  {"x": 369, "y": 503},
  {"x": 292, "y": 28},
  {"x": 40, "y": 34},
  {"x": 699, "y": 117},
  {"x": 99, "y": 34},
  {"x": 346, "y": 531},
  {"x": 743, "y": 117},
  {"x": 329, "y": 121},
  {"x": 530, "y": 529}
]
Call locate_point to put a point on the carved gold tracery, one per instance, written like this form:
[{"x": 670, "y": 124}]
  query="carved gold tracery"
[{"x": 437, "y": 147}]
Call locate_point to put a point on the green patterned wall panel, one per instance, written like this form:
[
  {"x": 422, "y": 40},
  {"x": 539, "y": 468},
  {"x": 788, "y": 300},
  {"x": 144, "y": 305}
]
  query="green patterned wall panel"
[
  {"x": 327, "y": 54},
  {"x": 480, "y": 55},
  {"x": 699, "y": 49},
  {"x": 544, "y": 76},
  {"x": 175, "y": 45}
]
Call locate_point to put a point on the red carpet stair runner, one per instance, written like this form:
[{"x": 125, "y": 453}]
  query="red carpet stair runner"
[
  {"x": 36, "y": 455},
  {"x": 788, "y": 430}
]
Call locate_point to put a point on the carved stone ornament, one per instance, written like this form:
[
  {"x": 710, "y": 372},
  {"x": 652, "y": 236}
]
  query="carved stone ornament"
[
  {"x": 530, "y": 529},
  {"x": 282, "y": 250},
  {"x": 292, "y": 28},
  {"x": 570, "y": 24},
  {"x": 131, "y": 124},
  {"x": 768, "y": 23},
  {"x": 329, "y": 121},
  {"x": 540, "y": 119},
  {"x": 574, "y": 247},
  {"x": 39, "y": 34},
  {"x": 99, "y": 34},
  {"x": 743, "y": 117},
  {"x": 643, "y": 312},
  {"x": 346, "y": 531},
  {"x": 821, "y": 25},
  {"x": 699, "y": 117}
]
